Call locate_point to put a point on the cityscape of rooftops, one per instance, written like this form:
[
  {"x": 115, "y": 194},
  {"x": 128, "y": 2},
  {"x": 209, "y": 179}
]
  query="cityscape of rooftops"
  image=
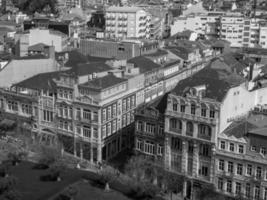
[{"x": 133, "y": 100}]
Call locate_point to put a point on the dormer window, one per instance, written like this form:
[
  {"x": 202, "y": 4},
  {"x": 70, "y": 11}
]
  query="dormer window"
[
  {"x": 175, "y": 105},
  {"x": 263, "y": 151},
  {"x": 193, "y": 108},
  {"x": 253, "y": 148}
]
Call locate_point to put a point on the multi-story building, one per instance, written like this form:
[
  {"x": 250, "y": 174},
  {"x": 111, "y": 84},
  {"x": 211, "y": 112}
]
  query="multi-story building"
[
  {"x": 203, "y": 24},
  {"x": 241, "y": 157},
  {"x": 90, "y": 108},
  {"x": 193, "y": 119},
  {"x": 74, "y": 3},
  {"x": 124, "y": 49},
  {"x": 36, "y": 36},
  {"x": 127, "y": 22}
]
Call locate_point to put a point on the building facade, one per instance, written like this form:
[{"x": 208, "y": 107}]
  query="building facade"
[{"x": 127, "y": 22}]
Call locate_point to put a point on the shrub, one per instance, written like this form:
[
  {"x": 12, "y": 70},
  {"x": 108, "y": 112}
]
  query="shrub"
[{"x": 5, "y": 168}]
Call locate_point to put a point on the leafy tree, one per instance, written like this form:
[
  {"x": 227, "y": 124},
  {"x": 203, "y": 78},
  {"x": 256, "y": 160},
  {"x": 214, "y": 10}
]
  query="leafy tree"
[
  {"x": 136, "y": 167},
  {"x": 56, "y": 169},
  {"x": 32, "y": 6},
  {"x": 48, "y": 156},
  {"x": 108, "y": 175},
  {"x": 208, "y": 192}
]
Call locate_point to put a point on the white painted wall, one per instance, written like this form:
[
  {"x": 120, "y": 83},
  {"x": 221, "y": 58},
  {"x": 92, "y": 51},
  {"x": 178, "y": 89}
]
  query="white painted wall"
[{"x": 19, "y": 70}]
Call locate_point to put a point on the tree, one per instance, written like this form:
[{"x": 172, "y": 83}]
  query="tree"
[
  {"x": 57, "y": 169},
  {"x": 172, "y": 182},
  {"x": 208, "y": 192},
  {"x": 108, "y": 175},
  {"x": 48, "y": 156},
  {"x": 136, "y": 167},
  {"x": 5, "y": 168}
]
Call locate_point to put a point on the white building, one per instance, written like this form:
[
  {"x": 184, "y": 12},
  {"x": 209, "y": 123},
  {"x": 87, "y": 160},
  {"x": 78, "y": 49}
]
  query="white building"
[
  {"x": 36, "y": 36},
  {"x": 201, "y": 23},
  {"x": 263, "y": 35},
  {"x": 127, "y": 22}
]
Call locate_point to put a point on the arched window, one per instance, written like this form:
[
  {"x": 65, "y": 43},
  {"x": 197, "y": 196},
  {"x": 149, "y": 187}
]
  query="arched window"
[
  {"x": 203, "y": 110},
  {"x": 212, "y": 112},
  {"x": 204, "y": 131},
  {"x": 182, "y": 106},
  {"x": 175, "y": 125},
  {"x": 189, "y": 128},
  {"x": 193, "y": 108},
  {"x": 175, "y": 105}
]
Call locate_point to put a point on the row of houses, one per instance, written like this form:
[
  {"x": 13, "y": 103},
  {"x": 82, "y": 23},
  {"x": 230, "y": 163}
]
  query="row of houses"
[{"x": 90, "y": 107}]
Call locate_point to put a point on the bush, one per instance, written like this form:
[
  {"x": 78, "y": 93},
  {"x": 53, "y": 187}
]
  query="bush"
[
  {"x": 143, "y": 190},
  {"x": 5, "y": 168},
  {"x": 48, "y": 157}
]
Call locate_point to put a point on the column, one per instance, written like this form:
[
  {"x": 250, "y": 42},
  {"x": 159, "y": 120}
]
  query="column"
[
  {"x": 184, "y": 188},
  {"x": 167, "y": 151},
  {"x": 99, "y": 153},
  {"x": 195, "y": 159},
  {"x": 81, "y": 150},
  {"x": 184, "y": 157},
  {"x": 195, "y": 132},
  {"x": 183, "y": 127},
  {"x": 233, "y": 187},
  {"x": 224, "y": 185},
  {"x": 213, "y": 163},
  {"x": 74, "y": 146},
  {"x": 91, "y": 153}
]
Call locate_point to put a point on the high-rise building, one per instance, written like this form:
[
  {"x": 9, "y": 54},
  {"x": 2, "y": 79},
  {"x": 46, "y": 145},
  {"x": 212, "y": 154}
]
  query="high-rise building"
[{"x": 127, "y": 22}]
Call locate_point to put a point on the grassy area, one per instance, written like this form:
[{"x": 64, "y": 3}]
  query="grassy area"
[
  {"x": 30, "y": 186},
  {"x": 95, "y": 193}
]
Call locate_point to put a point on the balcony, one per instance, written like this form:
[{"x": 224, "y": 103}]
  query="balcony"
[
  {"x": 204, "y": 137},
  {"x": 179, "y": 131},
  {"x": 190, "y": 117}
]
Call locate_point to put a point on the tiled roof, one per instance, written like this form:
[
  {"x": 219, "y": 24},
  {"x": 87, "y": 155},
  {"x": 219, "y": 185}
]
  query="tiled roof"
[
  {"x": 181, "y": 52},
  {"x": 218, "y": 78},
  {"x": 104, "y": 82},
  {"x": 159, "y": 52},
  {"x": 143, "y": 63},
  {"x": 37, "y": 47},
  {"x": 253, "y": 124},
  {"x": 40, "y": 81},
  {"x": 89, "y": 68}
]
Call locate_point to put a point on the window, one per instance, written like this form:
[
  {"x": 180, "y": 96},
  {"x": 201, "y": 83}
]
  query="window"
[
  {"x": 232, "y": 147},
  {"x": 263, "y": 151},
  {"x": 109, "y": 129},
  {"x": 65, "y": 111},
  {"x": 13, "y": 105},
  {"x": 175, "y": 124},
  {"x": 160, "y": 150},
  {"x": 204, "y": 131},
  {"x": 114, "y": 126},
  {"x": 221, "y": 165},
  {"x": 123, "y": 120},
  {"x": 212, "y": 113},
  {"x": 26, "y": 109},
  {"x": 204, "y": 150},
  {"x": 78, "y": 130},
  {"x": 190, "y": 147},
  {"x": 239, "y": 169},
  {"x": 109, "y": 112},
  {"x": 189, "y": 128},
  {"x": 139, "y": 125},
  {"x": 204, "y": 170},
  {"x": 124, "y": 105},
  {"x": 139, "y": 145},
  {"x": 220, "y": 183},
  {"x": 87, "y": 131},
  {"x": 229, "y": 186},
  {"x": 203, "y": 111},
  {"x": 230, "y": 167},
  {"x": 87, "y": 114},
  {"x": 222, "y": 145},
  {"x": 176, "y": 144},
  {"x": 78, "y": 113},
  {"x": 247, "y": 190},
  {"x": 150, "y": 128},
  {"x": 182, "y": 108},
  {"x": 175, "y": 105},
  {"x": 149, "y": 147},
  {"x": 114, "y": 110},
  {"x": 258, "y": 173},
  {"x": 104, "y": 131},
  {"x": 47, "y": 115},
  {"x": 238, "y": 188},
  {"x": 249, "y": 170},
  {"x": 193, "y": 109},
  {"x": 253, "y": 148},
  {"x": 257, "y": 193},
  {"x": 132, "y": 102},
  {"x": 128, "y": 103},
  {"x": 241, "y": 149},
  {"x": 128, "y": 118},
  {"x": 104, "y": 115}
]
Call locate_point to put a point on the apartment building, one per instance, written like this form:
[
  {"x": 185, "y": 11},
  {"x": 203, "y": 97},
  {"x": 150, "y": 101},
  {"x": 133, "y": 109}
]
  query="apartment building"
[
  {"x": 241, "y": 157},
  {"x": 127, "y": 22},
  {"x": 74, "y": 3},
  {"x": 203, "y": 24}
]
